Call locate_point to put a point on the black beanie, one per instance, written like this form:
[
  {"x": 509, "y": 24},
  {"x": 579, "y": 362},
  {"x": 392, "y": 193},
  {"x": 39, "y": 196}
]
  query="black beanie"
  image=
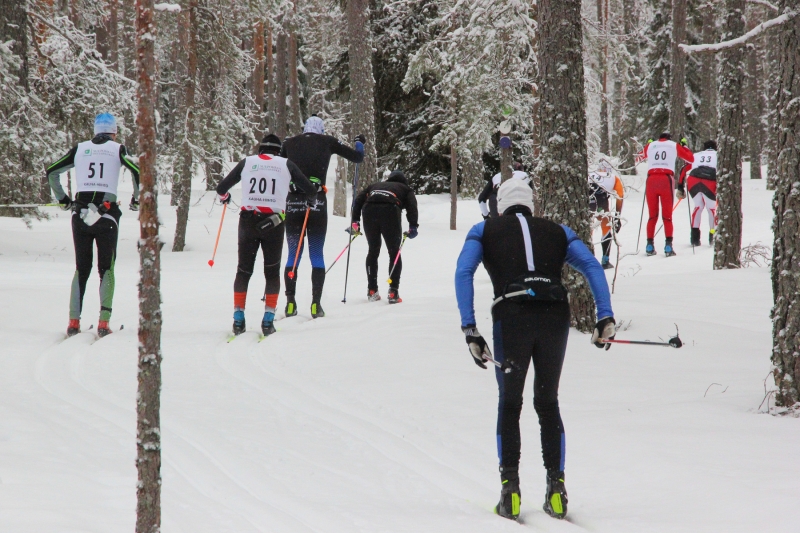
[
  {"x": 397, "y": 175},
  {"x": 270, "y": 143},
  {"x": 710, "y": 145}
]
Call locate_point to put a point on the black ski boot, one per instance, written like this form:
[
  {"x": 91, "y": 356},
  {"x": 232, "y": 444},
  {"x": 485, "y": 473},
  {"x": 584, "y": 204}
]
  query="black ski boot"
[
  {"x": 316, "y": 311},
  {"x": 267, "y": 323},
  {"x": 668, "y": 250},
  {"x": 510, "y": 495},
  {"x": 695, "y": 237},
  {"x": 555, "y": 503},
  {"x": 605, "y": 263},
  {"x": 238, "y": 322},
  {"x": 394, "y": 297},
  {"x": 650, "y": 249},
  {"x": 291, "y": 307}
]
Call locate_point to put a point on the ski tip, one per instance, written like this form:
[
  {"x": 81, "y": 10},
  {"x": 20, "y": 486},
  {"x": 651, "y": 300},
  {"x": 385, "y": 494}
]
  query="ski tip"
[{"x": 121, "y": 327}]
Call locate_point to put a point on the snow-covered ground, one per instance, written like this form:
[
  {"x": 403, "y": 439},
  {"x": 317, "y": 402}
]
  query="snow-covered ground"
[{"x": 375, "y": 419}]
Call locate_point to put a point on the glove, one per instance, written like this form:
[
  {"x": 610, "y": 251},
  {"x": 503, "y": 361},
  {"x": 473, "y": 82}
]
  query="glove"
[
  {"x": 311, "y": 202},
  {"x": 684, "y": 141},
  {"x": 477, "y": 345},
  {"x": 604, "y": 329},
  {"x": 485, "y": 217},
  {"x": 225, "y": 198},
  {"x": 354, "y": 228},
  {"x": 412, "y": 232},
  {"x": 359, "y": 147},
  {"x": 66, "y": 203},
  {"x": 680, "y": 193},
  {"x": 361, "y": 139},
  {"x": 134, "y": 205},
  {"x": 617, "y": 224}
]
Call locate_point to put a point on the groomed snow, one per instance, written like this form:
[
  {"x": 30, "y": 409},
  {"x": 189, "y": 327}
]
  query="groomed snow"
[{"x": 375, "y": 419}]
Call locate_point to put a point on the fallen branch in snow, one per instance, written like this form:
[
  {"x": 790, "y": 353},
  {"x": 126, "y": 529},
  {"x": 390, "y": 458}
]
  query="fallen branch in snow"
[
  {"x": 754, "y": 254},
  {"x": 689, "y": 48}
]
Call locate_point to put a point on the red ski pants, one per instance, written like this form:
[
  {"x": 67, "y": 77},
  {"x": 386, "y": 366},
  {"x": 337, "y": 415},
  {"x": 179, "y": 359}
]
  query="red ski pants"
[{"x": 659, "y": 190}]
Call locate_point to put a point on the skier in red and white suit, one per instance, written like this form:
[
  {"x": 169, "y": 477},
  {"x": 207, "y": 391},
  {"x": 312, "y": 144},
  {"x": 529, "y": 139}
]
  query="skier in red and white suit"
[
  {"x": 702, "y": 183},
  {"x": 661, "y": 156}
]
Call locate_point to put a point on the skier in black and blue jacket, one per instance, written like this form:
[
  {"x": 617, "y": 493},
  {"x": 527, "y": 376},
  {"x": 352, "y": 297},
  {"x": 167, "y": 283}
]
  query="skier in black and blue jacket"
[{"x": 524, "y": 256}]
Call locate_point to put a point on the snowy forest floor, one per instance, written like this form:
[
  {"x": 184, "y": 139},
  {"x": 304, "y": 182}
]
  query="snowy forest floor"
[{"x": 375, "y": 418}]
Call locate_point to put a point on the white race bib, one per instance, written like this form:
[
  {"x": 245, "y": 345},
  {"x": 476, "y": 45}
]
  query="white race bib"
[
  {"x": 265, "y": 182},
  {"x": 662, "y": 154},
  {"x": 706, "y": 158},
  {"x": 97, "y": 167},
  {"x": 605, "y": 180}
]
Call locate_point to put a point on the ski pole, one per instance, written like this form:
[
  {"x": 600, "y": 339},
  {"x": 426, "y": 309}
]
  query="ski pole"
[
  {"x": 674, "y": 207},
  {"x": 221, "y": 220},
  {"x": 505, "y": 366},
  {"x": 352, "y": 238},
  {"x": 300, "y": 244},
  {"x": 347, "y": 270},
  {"x": 689, "y": 205},
  {"x": 397, "y": 258},
  {"x": 641, "y": 219},
  {"x": 674, "y": 342},
  {"x": 29, "y": 205}
]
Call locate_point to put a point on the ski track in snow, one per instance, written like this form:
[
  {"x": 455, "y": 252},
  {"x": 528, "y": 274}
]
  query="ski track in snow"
[{"x": 374, "y": 418}]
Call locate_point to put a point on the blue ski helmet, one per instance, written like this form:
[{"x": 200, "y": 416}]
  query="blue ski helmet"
[{"x": 105, "y": 123}]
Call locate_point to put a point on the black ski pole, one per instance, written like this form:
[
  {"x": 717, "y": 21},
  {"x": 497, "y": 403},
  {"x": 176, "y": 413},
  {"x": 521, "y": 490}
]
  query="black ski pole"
[
  {"x": 641, "y": 219},
  {"x": 690, "y": 218},
  {"x": 347, "y": 269}
]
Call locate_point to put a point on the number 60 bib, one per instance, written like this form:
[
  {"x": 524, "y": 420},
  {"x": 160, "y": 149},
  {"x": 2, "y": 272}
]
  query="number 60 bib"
[{"x": 265, "y": 182}]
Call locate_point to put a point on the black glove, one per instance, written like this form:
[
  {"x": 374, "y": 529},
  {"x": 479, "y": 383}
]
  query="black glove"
[
  {"x": 412, "y": 232},
  {"x": 604, "y": 329},
  {"x": 134, "y": 205},
  {"x": 225, "y": 198},
  {"x": 66, "y": 203},
  {"x": 311, "y": 202},
  {"x": 360, "y": 139},
  {"x": 485, "y": 217},
  {"x": 617, "y": 224},
  {"x": 477, "y": 345}
]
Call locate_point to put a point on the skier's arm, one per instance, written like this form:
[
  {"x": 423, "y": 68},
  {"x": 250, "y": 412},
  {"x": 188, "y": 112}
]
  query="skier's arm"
[
  {"x": 301, "y": 181},
  {"x": 468, "y": 261},
  {"x": 345, "y": 151},
  {"x": 358, "y": 203},
  {"x": 620, "y": 193},
  {"x": 233, "y": 177},
  {"x": 412, "y": 214},
  {"x": 684, "y": 153},
  {"x": 483, "y": 197},
  {"x": 55, "y": 170},
  {"x": 684, "y": 171},
  {"x": 581, "y": 259},
  {"x": 130, "y": 165}
]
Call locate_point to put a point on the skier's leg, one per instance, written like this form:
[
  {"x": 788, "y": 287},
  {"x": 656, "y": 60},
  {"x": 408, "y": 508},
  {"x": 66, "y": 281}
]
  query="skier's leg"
[
  {"x": 317, "y": 228},
  {"x": 666, "y": 194},
  {"x": 295, "y": 215},
  {"x": 372, "y": 232},
  {"x": 84, "y": 256},
  {"x": 272, "y": 248},
  {"x": 106, "y": 234},
  {"x": 248, "y": 249},
  {"x": 652, "y": 205},
  {"x": 392, "y": 232}
]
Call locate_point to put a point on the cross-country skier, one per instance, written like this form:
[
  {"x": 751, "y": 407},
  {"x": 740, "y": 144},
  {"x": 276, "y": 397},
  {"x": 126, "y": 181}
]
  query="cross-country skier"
[
  {"x": 603, "y": 184},
  {"x": 95, "y": 213},
  {"x": 382, "y": 204},
  {"x": 702, "y": 183},
  {"x": 311, "y": 152},
  {"x": 265, "y": 185},
  {"x": 661, "y": 156},
  {"x": 487, "y": 199},
  {"x": 524, "y": 256}
]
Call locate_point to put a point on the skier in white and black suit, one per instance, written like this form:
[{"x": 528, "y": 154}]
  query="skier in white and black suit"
[
  {"x": 487, "y": 199},
  {"x": 95, "y": 213},
  {"x": 524, "y": 256}
]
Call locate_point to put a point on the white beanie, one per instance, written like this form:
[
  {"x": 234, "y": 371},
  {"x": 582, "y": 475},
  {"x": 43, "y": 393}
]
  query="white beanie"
[
  {"x": 105, "y": 123},
  {"x": 514, "y": 192},
  {"x": 314, "y": 124}
]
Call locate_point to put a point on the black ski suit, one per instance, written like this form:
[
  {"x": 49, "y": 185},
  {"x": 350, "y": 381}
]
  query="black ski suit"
[
  {"x": 103, "y": 232},
  {"x": 382, "y": 204},
  {"x": 523, "y": 252},
  {"x": 311, "y": 152}
]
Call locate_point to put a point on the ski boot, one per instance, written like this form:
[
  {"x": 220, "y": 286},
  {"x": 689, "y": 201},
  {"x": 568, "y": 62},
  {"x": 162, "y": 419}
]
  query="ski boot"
[
  {"x": 74, "y": 327},
  {"x": 267, "y": 323},
  {"x": 103, "y": 329},
  {"x": 711, "y": 236},
  {"x": 510, "y": 496},
  {"x": 373, "y": 296},
  {"x": 238, "y": 322},
  {"x": 555, "y": 503},
  {"x": 316, "y": 311},
  {"x": 291, "y": 307},
  {"x": 650, "y": 249},
  {"x": 394, "y": 297},
  {"x": 605, "y": 263},
  {"x": 695, "y": 237},
  {"x": 668, "y": 251}
]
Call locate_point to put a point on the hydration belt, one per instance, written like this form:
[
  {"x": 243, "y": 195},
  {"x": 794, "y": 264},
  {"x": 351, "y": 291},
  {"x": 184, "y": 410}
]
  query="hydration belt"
[
  {"x": 314, "y": 181},
  {"x": 533, "y": 287}
]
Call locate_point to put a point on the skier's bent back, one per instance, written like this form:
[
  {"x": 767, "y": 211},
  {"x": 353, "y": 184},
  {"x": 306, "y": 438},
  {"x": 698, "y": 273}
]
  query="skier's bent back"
[{"x": 524, "y": 256}]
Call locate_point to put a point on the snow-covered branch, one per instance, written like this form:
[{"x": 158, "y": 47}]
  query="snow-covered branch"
[
  {"x": 739, "y": 40},
  {"x": 170, "y": 8},
  {"x": 765, "y": 3}
]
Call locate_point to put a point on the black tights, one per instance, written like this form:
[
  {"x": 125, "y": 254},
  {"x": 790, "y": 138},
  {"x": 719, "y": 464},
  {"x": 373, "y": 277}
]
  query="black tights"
[{"x": 382, "y": 220}]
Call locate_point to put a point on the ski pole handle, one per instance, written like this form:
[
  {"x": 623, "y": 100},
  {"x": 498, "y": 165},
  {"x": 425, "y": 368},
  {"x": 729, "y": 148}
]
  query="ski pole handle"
[
  {"x": 219, "y": 232},
  {"x": 505, "y": 366}
]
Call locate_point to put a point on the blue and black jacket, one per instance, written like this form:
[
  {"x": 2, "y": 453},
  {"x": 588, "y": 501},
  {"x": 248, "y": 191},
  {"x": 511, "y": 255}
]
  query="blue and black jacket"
[{"x": 516, "y": 245}]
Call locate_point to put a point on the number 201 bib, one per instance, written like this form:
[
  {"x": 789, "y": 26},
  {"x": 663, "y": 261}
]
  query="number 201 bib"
[{"x": 265, "y": 182}]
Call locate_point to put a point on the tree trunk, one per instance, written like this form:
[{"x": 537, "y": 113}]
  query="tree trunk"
[
  {"x": 148, "y": 399},
  {"x": 362, "y": 86},
  {"x": 187, "y": 155},
  {"x": 269, "y": 122},
  {"x": 677, "y": 91},
  {"x": 602, "y": 21},
  {"x": 754, "y": 110},
  {"x": 296, "y": 124},
  {"x": 453, "y": 186},
  {"x": 728, "y": 240},
  {"x": 786, "y": 247},
  {"x": 280, "y": 85},
  {"x": 629, "y": 130},
  {"x": 471, "y": 176},
  {"x": 258, "y": 78},
  {"x": 179, "y": 125},
  {"x": 707, "y": 113},
  {"x": 506, "y": 160},
  {"x": 774, "y": 66},
  {"x": 340, "y": 192},
  {"x": 562, "y": 110}
]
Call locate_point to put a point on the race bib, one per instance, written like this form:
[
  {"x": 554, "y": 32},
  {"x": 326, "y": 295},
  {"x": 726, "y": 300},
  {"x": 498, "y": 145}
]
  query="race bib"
[
  {"x": 97, "y": 167},
  {"x": 662, "y": 154},
  {"x": 706, "y": 158},
  {"x": 265, "y": 182}
]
